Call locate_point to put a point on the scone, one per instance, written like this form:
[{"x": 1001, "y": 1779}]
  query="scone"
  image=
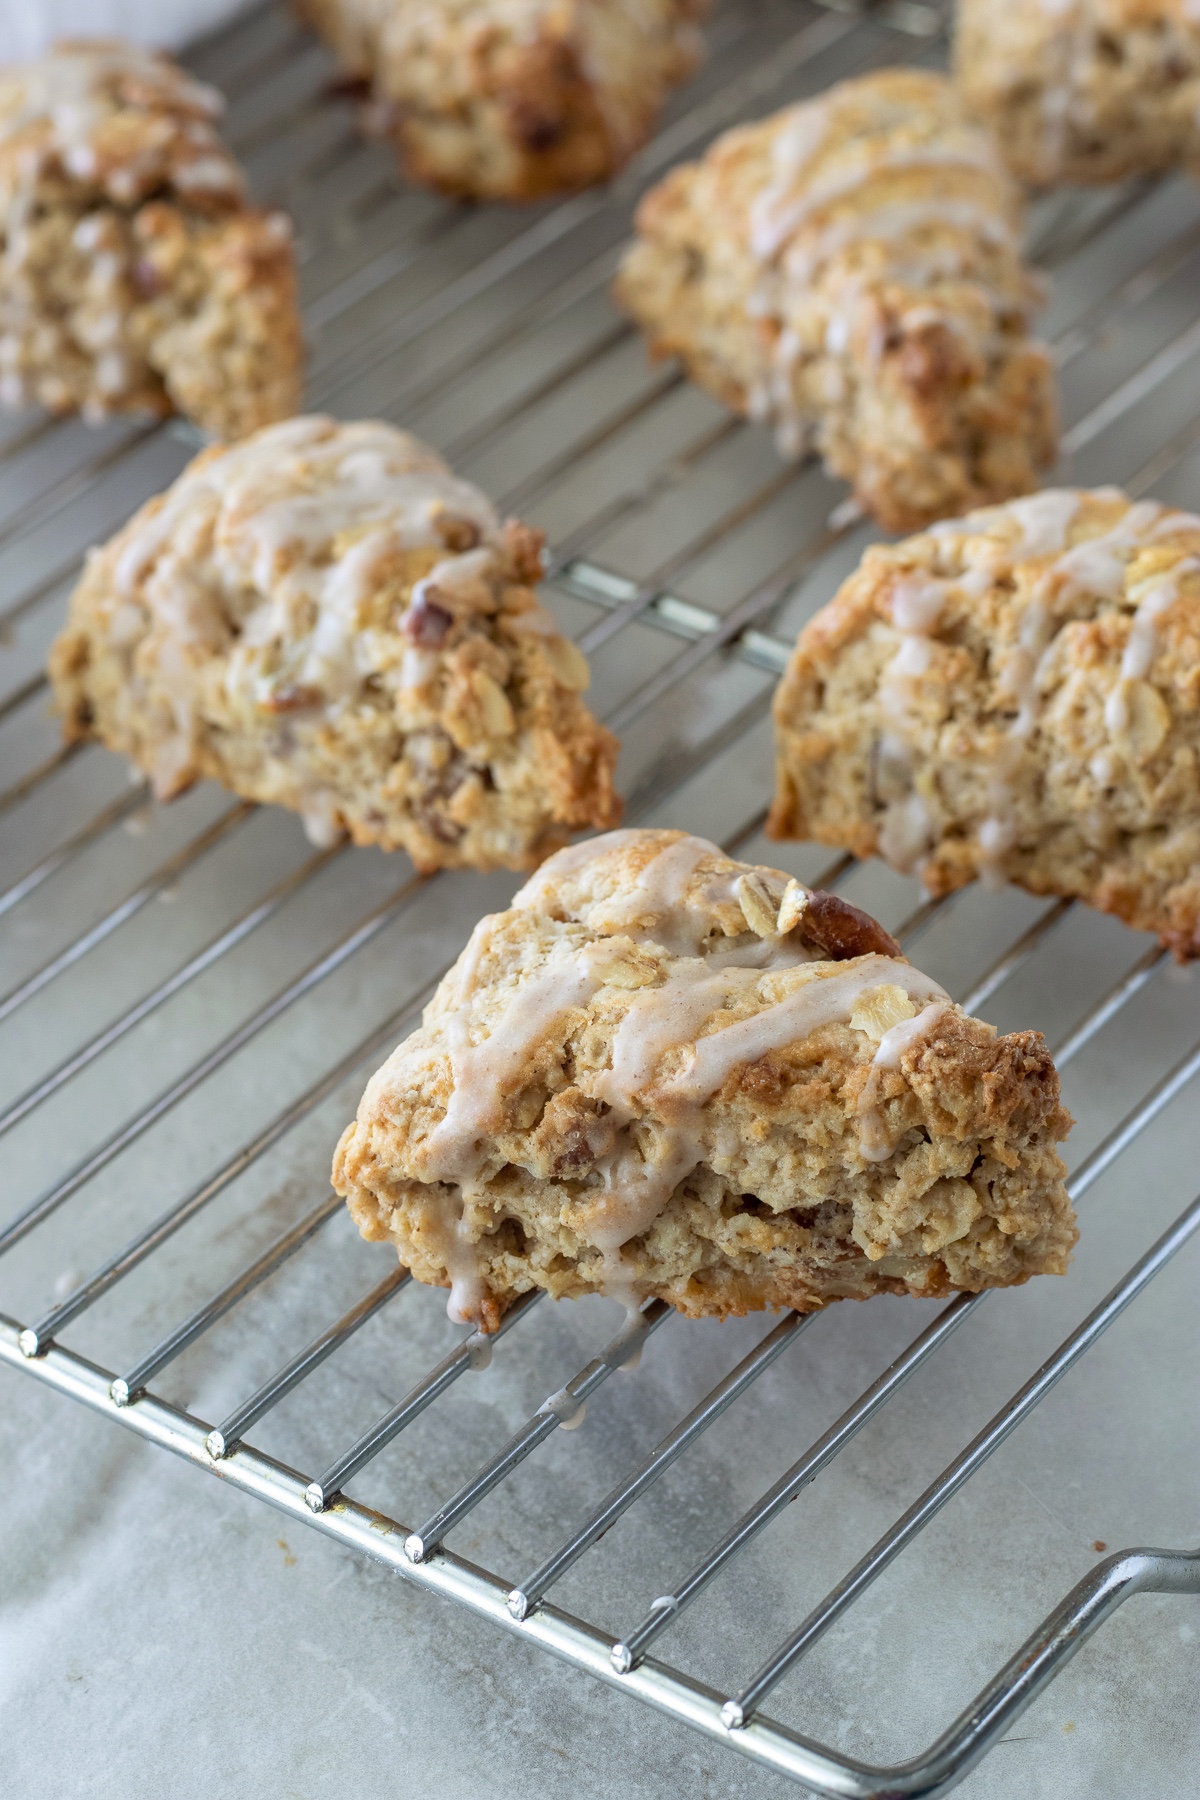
[
  {"x": 513, "y": 99},
  {"x": 1014, "y": 695},
  {"x": 324, "y": 616},
  {"x": 665, "y": 1073},
  {"x": 1084, "y": 90},
  {"x": 850, "y": 271},
  {"x": 134, "y": 276}
]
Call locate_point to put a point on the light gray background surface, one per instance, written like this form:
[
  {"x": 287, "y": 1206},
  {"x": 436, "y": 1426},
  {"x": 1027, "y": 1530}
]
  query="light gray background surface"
[
  {"x": 162, "y": 1636},
  {"x": 28, "y": 27}
]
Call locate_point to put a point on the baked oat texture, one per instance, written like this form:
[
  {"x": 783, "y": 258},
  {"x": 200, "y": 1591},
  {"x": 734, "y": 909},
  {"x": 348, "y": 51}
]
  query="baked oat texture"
[
  {"x": 665, "y": 1073},
  {"x": 513, "y": 99},
  {"x": 1014, "y": 695},
  {"x": 1087, "y": 91},
  {"x": 324, "y": 616},
  {"x": 849, "y": 270},
  {"x": 134, "y": 276}
]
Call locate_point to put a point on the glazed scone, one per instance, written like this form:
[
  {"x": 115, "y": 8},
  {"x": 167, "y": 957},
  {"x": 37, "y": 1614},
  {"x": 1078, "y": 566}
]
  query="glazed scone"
[
  {"x": 513, "y": 99},
  {"x": 324, "y": 616},
  {"x": 665, "y": 1073},
  {"x": 1084, "y": 90},
  {"x": 1014, "y": 695},
  {"x": 849, "y": 270},
  {"x": 134, "y": 276}
]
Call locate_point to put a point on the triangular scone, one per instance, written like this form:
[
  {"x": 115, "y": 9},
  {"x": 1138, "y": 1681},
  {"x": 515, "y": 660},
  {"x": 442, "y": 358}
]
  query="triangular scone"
[
  {"x": 134, "y": 276},
  {"x": 1086, "y": 91},
  {"x": 1012, "y": 695},
  {"x": 513, "y": 99},
  {"x": 665, "y": 1073},
  {"x": 326, "y": 617},
  {"x": 850, "y": 270}
]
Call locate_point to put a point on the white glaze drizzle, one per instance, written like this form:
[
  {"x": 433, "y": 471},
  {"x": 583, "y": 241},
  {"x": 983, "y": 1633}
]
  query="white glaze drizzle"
[
  {"x": 656, "y": 907},
  {"x": 569, "y": 861},
  {"x": 70, "y": 88},
  {"x": 1019, "y": 682},
  {"x": 874, "y": 1142},
  {"x": 468, "y": 1288},
  {"x": 1097, "y": 565},
  {"x": 660, "y": 895},
  {"x": 667, "y": 1020},
  {"x": 273, "y": 508},
  {"x": 1045, "y": 519},
  {"x": 791, "y": 257},
  {"x": 821, "y": 1000},
  {"x": 658, "y": 1116},
  {"x": 321, "y": 821},
  {"x": 793, "y": 148},
  {"x": 1171, "y": 522},
  {"x": 771, "y": 228},
  {"x": 907, "y": 830},
  {"x": 1142, "y": 643},
  {"x": 640, "y": 1176},
  {"x": 1069, "y": 52},
  {"x": 1094, "y": 566},
  {"x": 483, "y": 1073},
  {"x": 892, "y": 220},
  {"x": 455, "y": 575},
  {"x": 917, "y": 602}
]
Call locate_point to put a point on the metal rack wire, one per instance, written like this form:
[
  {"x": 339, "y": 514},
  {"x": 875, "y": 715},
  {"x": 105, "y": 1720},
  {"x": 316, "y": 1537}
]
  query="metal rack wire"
[{"x": 684, "y": 555}]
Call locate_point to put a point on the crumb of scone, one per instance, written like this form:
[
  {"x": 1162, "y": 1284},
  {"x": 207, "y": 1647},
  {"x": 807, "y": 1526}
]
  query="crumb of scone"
[
  {"x": 134, "y": 275},
  {"x": 1087, "y": 91},
  {"x": 1013, "y": 695},
  {"x": 665, "y": 1073},
  {"x": 324, "y": 616},
  {"x": 513, "y": 99},
  {"x": 849, "y": 270}
]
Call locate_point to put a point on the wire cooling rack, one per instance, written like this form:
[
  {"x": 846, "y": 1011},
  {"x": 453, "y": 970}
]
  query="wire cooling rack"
[{"x": 140, "y": 1041}]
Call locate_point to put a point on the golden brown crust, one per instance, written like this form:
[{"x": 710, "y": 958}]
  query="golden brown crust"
[
  {"x": 1033, "y": 716},
  {"x": 513, "y": 99},
  {"x": 1089, "y": 91},
  {"x": 326, "y": 618},
  {"x": 570, "y": 1115},
  {"x": 133, "y": 273},
  {"x": 849, "y": 270}
]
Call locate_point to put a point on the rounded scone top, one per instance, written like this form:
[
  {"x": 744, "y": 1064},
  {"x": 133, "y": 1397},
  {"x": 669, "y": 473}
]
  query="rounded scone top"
[
  {"x": 324, "y": 616},
  {"x": 1059, "y": 630},
  {"x": 111, "y": 115},
  {"x": 288, "y": 502},
  {"x": 847, "y": 167},
  {"x": 685, "y": 894},
  {"x": 268, "y": 551}
]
